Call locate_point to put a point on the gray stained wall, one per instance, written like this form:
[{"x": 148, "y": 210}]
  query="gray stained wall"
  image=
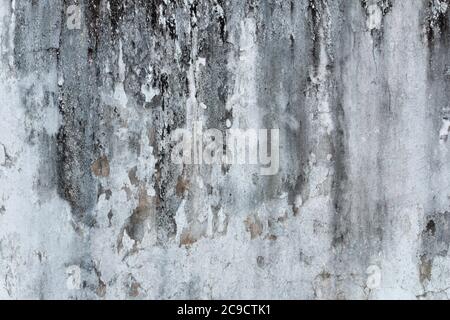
[{"x": 92, "y": 207}]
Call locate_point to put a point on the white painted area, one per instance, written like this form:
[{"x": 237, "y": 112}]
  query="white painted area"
[
  {"x": 201, "y": 62},
  {"x": 298, "y": 201},
  {"x": 445, "y": 130},
  {"x": 2, "y": 155},
  {"x": 73, "y": 277},
  {"x": 374, "y": 17},
  {"x": 127, "y": 242},
  {"x": 244, "y": 98},
  {"x": 373, "y": 277}
]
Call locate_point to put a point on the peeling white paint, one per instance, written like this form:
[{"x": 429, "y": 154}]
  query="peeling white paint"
[
  {"x": 375, "y": 17},
  {"x": 445, "y": 130},
  {"x": 2, "y": 155},
  {"x": 73, "y": 277},
  {"x": 373, "y": 277}
]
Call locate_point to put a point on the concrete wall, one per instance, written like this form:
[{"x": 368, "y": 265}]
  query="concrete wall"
[{"x": 93, "y": 207}]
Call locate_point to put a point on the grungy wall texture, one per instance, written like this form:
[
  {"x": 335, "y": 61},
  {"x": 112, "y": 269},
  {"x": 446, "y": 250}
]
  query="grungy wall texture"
[{"x": 93, "y": 207}]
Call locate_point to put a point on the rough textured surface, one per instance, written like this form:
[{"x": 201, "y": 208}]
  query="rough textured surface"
[{"x": 92, "y": 207}]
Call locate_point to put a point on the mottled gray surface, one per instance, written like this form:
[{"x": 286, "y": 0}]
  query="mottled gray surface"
[{"x": 92, "y": 207}]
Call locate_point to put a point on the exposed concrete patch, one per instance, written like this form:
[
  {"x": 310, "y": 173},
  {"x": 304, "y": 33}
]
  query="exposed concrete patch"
[
  {"x": 100, "y": 167},
  {"x": 254, "y": 226},
  {"x": 73, "y": 277},
  {"x": 2, "y": 155},
  {"x": 426, "y": 267}
]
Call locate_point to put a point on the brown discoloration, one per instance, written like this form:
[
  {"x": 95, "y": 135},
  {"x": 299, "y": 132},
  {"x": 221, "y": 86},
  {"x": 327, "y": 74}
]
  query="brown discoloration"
[
  {"x": 100, "y": 167},
  {"x": 187, "y": 239},
  {"x": 254, "y": 226},
  {"x": 101, "y": 289},
  {"x": 425, "y": 269},
  {"x": 136, "y": 222},
  {"x": 134, "y": 288},
  {"x": 182, "y": 186},
  {"x": 193, "y": 233}
]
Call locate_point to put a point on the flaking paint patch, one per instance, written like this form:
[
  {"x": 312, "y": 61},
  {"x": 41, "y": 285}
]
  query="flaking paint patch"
[
  {"x": 374, "y": 17},
  {"x": 445, "y": 130},
  {"x": 437, "y": 19},
  {"x": 2, "y": 155},
  {"x": 358, "y": 209},
  {"x": 73, "y": 277}
]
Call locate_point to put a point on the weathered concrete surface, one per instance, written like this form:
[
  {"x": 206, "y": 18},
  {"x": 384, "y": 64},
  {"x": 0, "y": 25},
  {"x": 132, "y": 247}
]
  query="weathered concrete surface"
[{"x": 91, "y": 205}]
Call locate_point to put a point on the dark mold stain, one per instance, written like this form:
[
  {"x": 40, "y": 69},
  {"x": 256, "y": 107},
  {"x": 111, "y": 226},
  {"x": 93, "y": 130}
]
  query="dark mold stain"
[
  {"x": 437, "y": 21},
  {"x": 431, "y": 228},
  {"x": 100, "y": 167},
  {"x": 435, "y": 241},
  {"x": 116, "y": 14},
  {"x": 340, "y": 180},
  {"x": 315, "y": 16},
  {"x": 436, "y": 235}
]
